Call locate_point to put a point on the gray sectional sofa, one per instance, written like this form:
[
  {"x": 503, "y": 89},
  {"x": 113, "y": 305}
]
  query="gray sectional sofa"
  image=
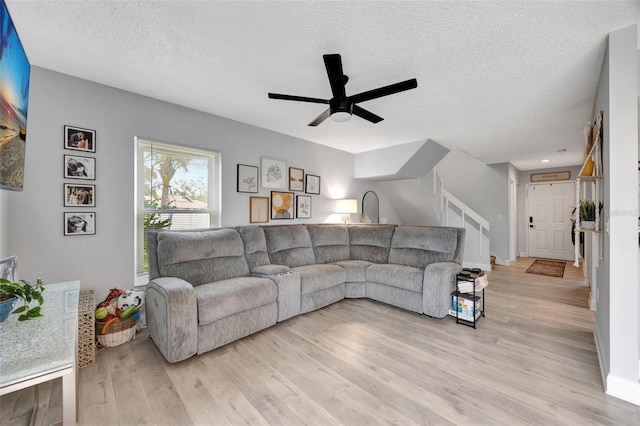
[{"x": 208, "y": 288}]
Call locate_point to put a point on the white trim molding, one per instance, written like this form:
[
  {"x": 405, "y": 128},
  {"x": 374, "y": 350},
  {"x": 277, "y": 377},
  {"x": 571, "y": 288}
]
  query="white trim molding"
[
  {"x": 617, "y": 387},
  {"x": 624, "y": 389}
]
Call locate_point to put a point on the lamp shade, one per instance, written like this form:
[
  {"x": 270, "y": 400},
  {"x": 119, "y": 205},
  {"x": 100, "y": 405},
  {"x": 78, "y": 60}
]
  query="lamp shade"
[{"x": 346, "y": 206}]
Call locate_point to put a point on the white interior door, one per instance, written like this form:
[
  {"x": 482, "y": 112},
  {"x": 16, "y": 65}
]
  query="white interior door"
[{"x": 549, "y": 207}]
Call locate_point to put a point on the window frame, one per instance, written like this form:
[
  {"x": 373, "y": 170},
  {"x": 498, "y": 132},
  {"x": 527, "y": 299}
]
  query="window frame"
[{"x": 214, "y": 194}]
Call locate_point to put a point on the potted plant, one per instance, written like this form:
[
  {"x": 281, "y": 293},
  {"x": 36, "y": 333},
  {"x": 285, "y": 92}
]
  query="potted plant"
[
  {"x": 588, "y": 214},
  {"x": 25, "y": 293}
]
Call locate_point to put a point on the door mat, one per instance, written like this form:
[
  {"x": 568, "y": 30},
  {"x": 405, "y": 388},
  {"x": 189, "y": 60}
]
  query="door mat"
[{"x": 552, "y": 268}]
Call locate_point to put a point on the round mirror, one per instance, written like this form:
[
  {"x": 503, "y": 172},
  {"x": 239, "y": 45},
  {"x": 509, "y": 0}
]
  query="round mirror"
[{"x": 370, "y": 208}]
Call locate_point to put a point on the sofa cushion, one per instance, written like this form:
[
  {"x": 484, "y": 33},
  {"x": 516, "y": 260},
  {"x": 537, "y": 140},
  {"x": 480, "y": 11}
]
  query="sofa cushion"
[
  {"x": 223, "y": 298},
  {"x": 319, "y": 277},
  {"x": 270, "y": 270},
  {"x": 399, "y": 276},
  {"x": 370, "y": 242},
  {"x": 201, "y": 257},
  {"x": 420, "y": 246},
  {"x": 289, "y": 245},
  {"x": 356, "y": 270},
  {"x": 330, "y": 242},
  {"x": 255, "y": 246}
]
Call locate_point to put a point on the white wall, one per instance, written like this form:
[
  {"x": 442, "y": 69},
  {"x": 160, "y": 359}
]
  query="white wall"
[
  {"x": 106, "y": 259},
  {"x": 617, "y": 275}
]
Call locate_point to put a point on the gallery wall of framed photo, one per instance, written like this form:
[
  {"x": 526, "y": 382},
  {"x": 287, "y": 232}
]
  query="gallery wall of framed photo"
[
  {"x": 79, "y": 172},
  {"x": 290, "y": 190}
]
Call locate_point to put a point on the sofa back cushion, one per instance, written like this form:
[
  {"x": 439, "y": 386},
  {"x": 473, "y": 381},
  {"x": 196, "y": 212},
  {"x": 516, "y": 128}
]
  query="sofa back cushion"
[
  {"x": 255, "y": 246},
  {"x": 370, "y": 242},
  {"x": 289, "y": 245},
  {"x": 201, "y": 257},
  {"x": 419, "y": 246},
  {"x": 330, "y": 242}
]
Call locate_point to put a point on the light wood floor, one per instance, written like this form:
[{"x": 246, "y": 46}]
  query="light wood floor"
[{"x": 532, "y": 360}]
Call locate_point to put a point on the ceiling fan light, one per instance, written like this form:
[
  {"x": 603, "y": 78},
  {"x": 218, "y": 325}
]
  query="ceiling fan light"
[{"x": 341, "y": 116}]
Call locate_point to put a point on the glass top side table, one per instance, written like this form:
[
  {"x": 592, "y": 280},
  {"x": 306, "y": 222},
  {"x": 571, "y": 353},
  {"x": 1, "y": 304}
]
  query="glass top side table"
[{"x": 44, "y": 348}]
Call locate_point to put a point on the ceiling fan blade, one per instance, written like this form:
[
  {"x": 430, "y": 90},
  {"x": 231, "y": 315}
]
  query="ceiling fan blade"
[
  {"x": 386, "y": 90},
  {"x": 367, "y": 115},
  {"x": 333, "y": 63},
  {"x": 298, "y": 98},
  {"x": 319, "y": 119}
]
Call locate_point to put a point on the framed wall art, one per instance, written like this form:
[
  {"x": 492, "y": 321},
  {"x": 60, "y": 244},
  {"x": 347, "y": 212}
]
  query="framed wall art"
[
  {"x": 296, "y": 179},
  {"x": 312, "y": 184},
  {"x": 79, "y": 195},
  {"x": 258, "y": 209},
  {"x": 247, "y": 178},
  {"x": 79, "y": 223},
  {"x": 79, "y": 139},
  {"x": 281, "y": 205},
  {"x": 303, "y": 207},
  {"x": 9, "y": 268},
  {"x": 273, "y": 173},
  {"x": 76, "y": 167}
]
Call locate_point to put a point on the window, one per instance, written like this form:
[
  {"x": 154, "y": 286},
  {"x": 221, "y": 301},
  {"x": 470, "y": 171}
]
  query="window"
[{"x": 177, "y": 188}]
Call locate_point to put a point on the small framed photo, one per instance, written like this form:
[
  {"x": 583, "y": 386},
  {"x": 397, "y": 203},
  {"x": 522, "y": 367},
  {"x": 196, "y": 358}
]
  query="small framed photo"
[
  {"x": 258, "y": 209},
  {"x": 9, "y": 268},
  {"x": 79, "y": 195},
  {"x": 303, "y": 207},
  {"x": 79, "y": 223},
  {"x": 273, "y": 173},
  {"x": 79, "y": 139},
  {"x": 76, "y": 167},
  {"x": 247, "y": 178},
  {"x": 312, "y": 185},
  {"x": 281, "y": 205},
  {"x": 296, "y": 179}
]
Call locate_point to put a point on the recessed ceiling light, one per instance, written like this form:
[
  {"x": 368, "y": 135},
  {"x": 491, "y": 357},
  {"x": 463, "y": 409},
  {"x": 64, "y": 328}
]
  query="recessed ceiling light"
[{"x": 545, "y": 161}]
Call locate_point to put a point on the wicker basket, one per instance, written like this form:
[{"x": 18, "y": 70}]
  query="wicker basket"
[
  {"x": 86, "y": 328},
  {"x": 118, "y": 332}
]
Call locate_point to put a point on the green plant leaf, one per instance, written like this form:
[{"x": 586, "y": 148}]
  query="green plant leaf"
[{"x": 20, "y": 309}]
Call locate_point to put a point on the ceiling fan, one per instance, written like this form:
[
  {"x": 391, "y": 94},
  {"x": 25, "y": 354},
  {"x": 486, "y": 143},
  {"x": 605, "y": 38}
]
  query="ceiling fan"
[{"x": 341, "y": 106}]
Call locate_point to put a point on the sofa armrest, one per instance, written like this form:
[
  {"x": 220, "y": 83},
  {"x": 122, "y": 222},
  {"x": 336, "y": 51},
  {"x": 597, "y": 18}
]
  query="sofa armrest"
[
  {"x": 437, "y": 285},
  {"x": 269, "y": 270},
  {"x": 288, "y": 299},
  {"x": 172, "y": 317}
]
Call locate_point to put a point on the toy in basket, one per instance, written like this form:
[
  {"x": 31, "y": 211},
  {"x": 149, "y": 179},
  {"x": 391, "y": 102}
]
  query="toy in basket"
[
  {"x": 115, "y": 320},
  {"x": 115, "y": 331}
]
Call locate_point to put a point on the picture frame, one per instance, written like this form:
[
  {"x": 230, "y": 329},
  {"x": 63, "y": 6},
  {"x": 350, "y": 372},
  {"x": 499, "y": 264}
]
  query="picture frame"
[
  {"x": 259, "y": 209},
  {"x": 79, "y": 223},
  {"x": 247, "y": 177},
  {"x": 296, "y": 179},
  {"x": 303, "y": 207},
  {"x": 312, "y": 184},
  {"x": 273, "y": 173},
  {"x": 79, "y": 139},
  {"x": 282, "y": 206},
  {"x": 77, "y": 167},
  {"x": 79, "y": 195},
  {"x": 9, "y": 268}
]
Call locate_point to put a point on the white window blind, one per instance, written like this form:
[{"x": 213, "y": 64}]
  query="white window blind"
[{"x": 177, "y": 188}]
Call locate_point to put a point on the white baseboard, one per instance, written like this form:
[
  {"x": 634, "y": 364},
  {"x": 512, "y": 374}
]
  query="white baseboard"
[
  {"x": 624, "y": 389},
  {"x": 524, "y": 254},
  {"x": 603, "y": 371}
]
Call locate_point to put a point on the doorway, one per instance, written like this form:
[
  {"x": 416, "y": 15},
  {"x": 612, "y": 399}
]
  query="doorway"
[{"x": 548, "y": 220}]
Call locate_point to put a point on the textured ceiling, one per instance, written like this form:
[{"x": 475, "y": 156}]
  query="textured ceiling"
[{"x": 503, "y": 81}]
